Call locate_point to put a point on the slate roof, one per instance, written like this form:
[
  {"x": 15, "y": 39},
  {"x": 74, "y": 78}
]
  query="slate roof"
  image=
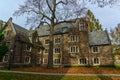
[
  {"x": 22, "y": 34},
  {"x": 99, "y": 38},
  {"x": 95, "y": 38},
  {"x": 62, "y": 28}
]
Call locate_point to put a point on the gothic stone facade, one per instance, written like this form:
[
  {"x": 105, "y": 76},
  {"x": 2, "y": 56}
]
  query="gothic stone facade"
[
  {"x": 22, "y": 48},
  {"x": 74, "y": 45}
]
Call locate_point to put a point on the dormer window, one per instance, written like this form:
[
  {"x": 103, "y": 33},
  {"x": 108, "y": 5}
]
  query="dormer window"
[{"x": 81, "y": 26}]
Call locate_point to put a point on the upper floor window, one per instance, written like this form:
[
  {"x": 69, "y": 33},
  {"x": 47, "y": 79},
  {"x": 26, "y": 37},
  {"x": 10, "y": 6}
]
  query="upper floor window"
[
  {"x": 57, "y": 40},
  {"x": 74, "y": 49},
  {"x": 7, "y": 32},
  {"x": 73, "y": 38},
  {"x": 83, "y": 61},
  {"x": 47, "y": 51},
  {"x": 57, "y": 50},
  {"x": 95, "y": 50},
  {"x": 47, "y": 41},
  {"x": 81, "y": 26},
  {"x": 28, "y": 48}
]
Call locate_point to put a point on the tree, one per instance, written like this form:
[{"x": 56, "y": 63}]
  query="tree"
[
  {"x": 115, "y": 35},
  {"x": 93, "y": 22},
  {"x": 3, "y": 46},
  {"x": 54, "y": 12}
]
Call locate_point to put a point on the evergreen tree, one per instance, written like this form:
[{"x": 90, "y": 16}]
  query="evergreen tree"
[{"x": 93, "y": 22}]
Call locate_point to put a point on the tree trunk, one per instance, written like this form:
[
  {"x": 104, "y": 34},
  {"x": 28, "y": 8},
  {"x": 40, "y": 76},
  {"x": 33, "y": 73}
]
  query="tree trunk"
[{"x": 50, "y": 55}]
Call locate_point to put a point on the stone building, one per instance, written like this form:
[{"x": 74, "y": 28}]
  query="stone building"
[
  {"x": 74, "y": 45},
  {"x": 23, "y": 45}
]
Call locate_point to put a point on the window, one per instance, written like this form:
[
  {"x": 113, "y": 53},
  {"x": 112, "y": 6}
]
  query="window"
[
  {"x": 47, "y": 41},
  {"x": 57, "y": 40},
  {"x": 96, "y": 60},
  {"x": 56, "y": 61},
  {"x": 5, "y": 58},
  {"x": 81, "y": 26},
  {"x": 38, "y": 61},
  {"x": 27, "y": 59},
  {"x": 74, "y": 49},
  {"x": 83, "y": 61},
  {"x": 57, "y": 50},
  {"x": 73, "y": 38},
  {"x": 45, "y": 61},
  {"x": 95, "y": 49},
  {"x": 47, "y": 51},
  {"x": 28, "y": 48}
]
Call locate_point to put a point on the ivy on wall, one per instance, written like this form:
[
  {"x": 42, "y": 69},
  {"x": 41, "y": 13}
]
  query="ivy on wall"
[{"x": 3, "y": 45}]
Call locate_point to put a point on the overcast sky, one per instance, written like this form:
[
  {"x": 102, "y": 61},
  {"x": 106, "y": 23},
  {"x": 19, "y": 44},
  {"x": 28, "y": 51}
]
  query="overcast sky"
[{"x": 108, "y": 17}]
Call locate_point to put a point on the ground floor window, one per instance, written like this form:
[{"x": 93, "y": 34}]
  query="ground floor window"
[
  {"x": 38, "y": 61},
  {"x": 96, "y": 61},
  {"x": 45, "y": 61},
  {"x": 56, "y": 61},
  {"x": 83, "y": 61},
  {"x": 5, "y": 58},
  {"x": 27, "y": 59}
]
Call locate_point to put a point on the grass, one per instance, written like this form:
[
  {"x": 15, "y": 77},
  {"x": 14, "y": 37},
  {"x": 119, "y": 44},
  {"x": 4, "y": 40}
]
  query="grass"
[{"x": 14, "y": 76}]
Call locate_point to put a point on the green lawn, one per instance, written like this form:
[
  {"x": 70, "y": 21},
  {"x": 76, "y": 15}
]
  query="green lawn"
[{"x": 14, "y": 76}]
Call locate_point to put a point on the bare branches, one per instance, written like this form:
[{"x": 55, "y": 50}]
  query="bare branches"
[{"x": 61, "y": 2}]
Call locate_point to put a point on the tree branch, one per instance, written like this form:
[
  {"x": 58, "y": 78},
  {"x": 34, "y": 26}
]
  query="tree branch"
[
  {"x": 49, "y": 6},
  {"x": 61, "y": 2},
  {"x": 70, "y": 21}
]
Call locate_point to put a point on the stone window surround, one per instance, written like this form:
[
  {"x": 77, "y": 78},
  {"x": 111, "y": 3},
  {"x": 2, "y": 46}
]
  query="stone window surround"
[
  {"x": 56, "y": 61},
  {"x": 74, "y": 49},
  {"x": 57, "y": 50},
  {"x": 73, "y": 38},
  {"x": 45, "y": 60},
  {"x": 4, "y": 58},
  {"x": 46, "y": 51},
  {"x": 95, "y": 49},
  {"x": 81, "y": 26},
  {"x": 97, "y": 62},
  {"x": 47, "y": 41},
  {"x": 28, "y": 48},
  {"x": 57, "y": 40},
  {"x": 29, "y": 59},
  {"x": 84, "y": 60}
]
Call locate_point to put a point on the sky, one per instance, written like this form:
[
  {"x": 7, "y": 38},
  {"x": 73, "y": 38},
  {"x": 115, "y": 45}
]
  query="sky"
[{"x": 108, "y": 17}]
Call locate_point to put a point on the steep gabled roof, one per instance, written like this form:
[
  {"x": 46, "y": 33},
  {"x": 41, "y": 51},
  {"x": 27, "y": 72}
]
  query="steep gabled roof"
[
  {"x": 99, "y": 38},
  {"x": 95, "y": 37}
]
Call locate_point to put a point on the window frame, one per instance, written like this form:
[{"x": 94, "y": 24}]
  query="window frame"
[
  {"x": 57, "y": 41},
  {"x": 46, "y": 51},
  {"x": 83, "y": 61},
  {"x": 96, "y": 62},
  {"x": 4, "y": 58},
  {"x": 57, "y": 61},
  {"x": 28, "y": 60},
  {"x": 45, "y": 60},
  {"x": 95, "y": 49},
  {"x": 57, "y": 50},
  {"x": 74, "y": 49},
  {"x": 47, "y": 41},
  {"x": 73, "y": 38}
]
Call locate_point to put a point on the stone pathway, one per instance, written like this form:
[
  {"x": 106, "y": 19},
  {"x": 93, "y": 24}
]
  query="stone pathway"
[{"x": 59, "y": 74}]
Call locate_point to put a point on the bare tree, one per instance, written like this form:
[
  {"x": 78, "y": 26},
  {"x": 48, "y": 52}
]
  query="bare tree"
[{"x": 54, "y": 12}]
